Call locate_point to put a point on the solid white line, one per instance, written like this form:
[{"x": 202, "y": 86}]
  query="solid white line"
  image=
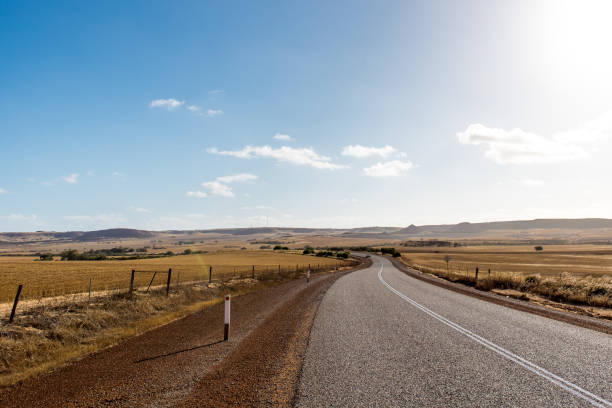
[{"x": 555, "y": 379}]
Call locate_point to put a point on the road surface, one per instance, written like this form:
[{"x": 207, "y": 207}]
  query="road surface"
[{"x": 382, "y": 338}]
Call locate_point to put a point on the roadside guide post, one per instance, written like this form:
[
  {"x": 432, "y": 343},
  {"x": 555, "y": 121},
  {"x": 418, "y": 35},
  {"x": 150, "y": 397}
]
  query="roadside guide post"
[
  {"x": 227, "y": 318},
  {"x": 308, "y": 276}
]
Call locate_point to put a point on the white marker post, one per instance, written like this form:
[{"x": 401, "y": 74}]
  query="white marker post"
[
  {"x": 227, "y": 318},
  {"x": 308, "y": 276}
]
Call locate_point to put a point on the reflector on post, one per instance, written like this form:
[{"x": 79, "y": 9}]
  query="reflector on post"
[{"x": 227, "y": 318}]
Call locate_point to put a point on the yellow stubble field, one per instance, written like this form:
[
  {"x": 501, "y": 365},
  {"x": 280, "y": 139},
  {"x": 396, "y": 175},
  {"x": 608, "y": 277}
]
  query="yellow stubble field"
[{"x": 55, "y": 278}]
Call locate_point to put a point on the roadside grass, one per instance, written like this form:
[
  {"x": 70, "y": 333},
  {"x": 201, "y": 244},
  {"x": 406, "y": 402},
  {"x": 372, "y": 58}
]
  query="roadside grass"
[
  {"x": 43, "y": 279},
  {"x": 573, "y": 276}
]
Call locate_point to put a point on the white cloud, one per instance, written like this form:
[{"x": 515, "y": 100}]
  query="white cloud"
[
  {"x": 280, "y": 136},
  {"x": 241, "y": 177},
  {"x": 393, "y": 168},
  {"x": 31, "y": 179},
  {"x": 218, "y": 189},
  {"x": 118, "y": 174},
  {"x": 71, "y": 179},
  {"x": 219, "y": 186},
  {"x": 169, "y": 104},
  {"x": 19, "y": 217},
  {"x": 3, "y": 191},
  {"x": 89, "y": 173},
  {"x": 364, "y": 151},
  {"x": 214, "y": 112},
  {"x": 297, "y": 156},
  {"x": 196, "y": 110},
  {"x": 520, "y": 147},
  {"x": 197, "y": 194}
]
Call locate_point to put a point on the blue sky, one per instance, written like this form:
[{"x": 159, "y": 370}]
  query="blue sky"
[{"x": 164, "y": 115}]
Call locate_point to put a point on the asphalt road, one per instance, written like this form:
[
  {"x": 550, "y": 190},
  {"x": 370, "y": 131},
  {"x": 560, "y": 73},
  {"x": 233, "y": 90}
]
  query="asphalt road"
[{"x": 382, "y": 338}]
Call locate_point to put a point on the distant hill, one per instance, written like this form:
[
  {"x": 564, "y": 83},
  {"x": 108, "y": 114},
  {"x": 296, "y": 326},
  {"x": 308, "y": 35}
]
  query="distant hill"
[
  {"x": 537, "y": 224},
  {"x": 563, "y": 229},
  {"x": 115, "y": 233}
]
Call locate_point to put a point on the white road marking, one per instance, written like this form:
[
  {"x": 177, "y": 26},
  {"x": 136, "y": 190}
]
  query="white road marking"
[{"x": 555, "y": 379}]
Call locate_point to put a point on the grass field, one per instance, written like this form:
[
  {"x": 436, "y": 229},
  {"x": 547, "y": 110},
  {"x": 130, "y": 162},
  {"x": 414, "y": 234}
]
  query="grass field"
[
  {"x": 56, "y": 278},
  {"x": 570, "y": 273}
]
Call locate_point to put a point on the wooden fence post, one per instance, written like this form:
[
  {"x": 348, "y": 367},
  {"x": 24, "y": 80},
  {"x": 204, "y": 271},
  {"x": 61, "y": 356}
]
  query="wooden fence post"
[
  {"x": 15, "y": 303},
  {"x": 168, "y": 283},
  {"x": 210, "y": 274},
  {"x": 253, "y": 272},
  {"x": 132, "y": 281}
]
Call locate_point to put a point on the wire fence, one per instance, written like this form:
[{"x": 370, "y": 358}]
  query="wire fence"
[{"x": 96, "y": 283}]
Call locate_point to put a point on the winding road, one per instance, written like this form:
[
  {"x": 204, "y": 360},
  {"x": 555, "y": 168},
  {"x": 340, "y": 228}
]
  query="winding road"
[{"x": 383, "y": 338}]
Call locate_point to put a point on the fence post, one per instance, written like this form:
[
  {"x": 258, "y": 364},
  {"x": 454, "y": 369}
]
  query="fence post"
[
  {"x": 489, "y": 272},
  {"x": 308, "y": 276},
  {"x": 132, "y": 281},
  {"x": 253, "y": 272},
  {"x": 168, "y": 283},
  {"x": 15, "y": 303},
  {"x": 210, "y": 274},
  {"x": 476, "y": 273},
  {"x": 226, "y": 327}
]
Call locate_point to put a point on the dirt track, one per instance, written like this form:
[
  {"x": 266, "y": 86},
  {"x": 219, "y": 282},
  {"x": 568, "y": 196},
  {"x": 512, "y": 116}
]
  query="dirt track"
[{"x": 179, "y": 363}]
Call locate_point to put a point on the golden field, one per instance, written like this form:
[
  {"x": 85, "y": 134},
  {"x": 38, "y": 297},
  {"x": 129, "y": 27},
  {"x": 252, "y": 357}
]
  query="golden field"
[
  {"x": 554, "y": 260},
  {"x": 55, "y": 278},
  {"x": 580, "y": 274}
]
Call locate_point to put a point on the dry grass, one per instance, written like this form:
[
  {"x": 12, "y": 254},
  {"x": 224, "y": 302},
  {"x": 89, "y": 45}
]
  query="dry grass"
[
  {"x": 57, "y": 278},
  {"x": 572, "y": 274},
  {"x": 47, "y": 337}
]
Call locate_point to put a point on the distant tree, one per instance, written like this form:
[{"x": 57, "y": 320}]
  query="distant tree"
[
  {"x": 538, "y": 248},
  {"x": 46, "y": 257},
  {"x": 187, "y": 251},
  {"x": 308, "y": 250},
  {"x": 169, "y": 253},
  {"x": 70, "y": 255}
]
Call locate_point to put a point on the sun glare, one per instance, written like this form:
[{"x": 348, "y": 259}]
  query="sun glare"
[{"x": 575, "y": 39}]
